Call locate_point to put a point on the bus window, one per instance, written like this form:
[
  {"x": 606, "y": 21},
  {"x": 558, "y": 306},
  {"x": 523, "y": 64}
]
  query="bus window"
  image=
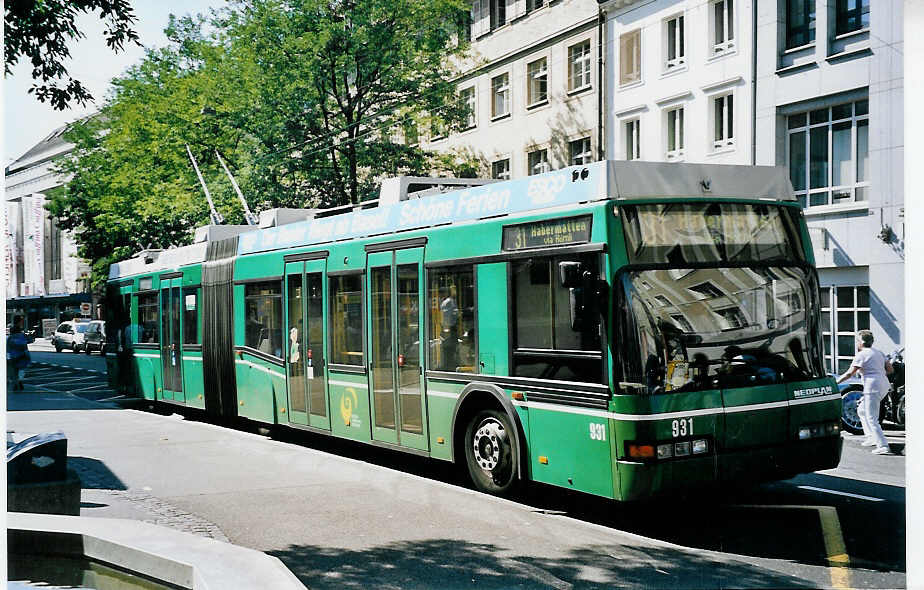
[
  {"x": 190, "y": 317},
  {"x": 263, "y": 317},
  {"x": 547, "y": 344},
  {"x": 346, "y": 319},
  {"x": 451, "y": 296},
  {"x": 147, "y": 317}
]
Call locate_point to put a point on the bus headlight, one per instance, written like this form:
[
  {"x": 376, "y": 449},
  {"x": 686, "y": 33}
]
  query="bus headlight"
[
  {"x": 665, "y": 451},
  {"x": 700, "y": 446},
  {"x": 682, "y": 449},
  {"x": 805, "y": 432}
]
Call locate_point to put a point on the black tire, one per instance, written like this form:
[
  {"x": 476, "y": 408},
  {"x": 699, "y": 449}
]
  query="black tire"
[
  {"x": 850, "y": 420},
  {"x": 86, "y": 349},
  {"x": 900, "y": 411},
  {"x": 74, "y": 347},
  {"x": 490, "y": 454},
  {"x": 57, "y": 347}
]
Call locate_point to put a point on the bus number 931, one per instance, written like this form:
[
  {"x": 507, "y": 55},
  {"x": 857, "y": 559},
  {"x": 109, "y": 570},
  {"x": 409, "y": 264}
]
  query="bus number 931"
[{"x": 682, "y": 427}]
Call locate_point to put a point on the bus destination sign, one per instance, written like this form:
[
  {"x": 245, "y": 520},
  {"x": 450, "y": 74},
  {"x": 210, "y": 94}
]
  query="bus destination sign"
[{"x": 543, "y": 234}]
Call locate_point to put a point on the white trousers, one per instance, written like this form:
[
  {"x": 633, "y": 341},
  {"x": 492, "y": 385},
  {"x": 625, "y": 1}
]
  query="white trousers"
[{"x": 874, "y": 389}]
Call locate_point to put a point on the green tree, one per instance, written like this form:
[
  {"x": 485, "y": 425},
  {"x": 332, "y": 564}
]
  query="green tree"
[
  {"x": 337, "y": 81},
  {"x": 40, "y": 30},
  {"x": 307, "y": 100}
]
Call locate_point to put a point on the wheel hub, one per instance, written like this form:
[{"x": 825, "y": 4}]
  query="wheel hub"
[
  {"x": 489, "y": 444},
  {"x": 850, "y": 403}
]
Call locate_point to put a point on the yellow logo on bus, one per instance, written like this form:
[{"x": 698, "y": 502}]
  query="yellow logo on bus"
[{"x": 347, "y": 402}]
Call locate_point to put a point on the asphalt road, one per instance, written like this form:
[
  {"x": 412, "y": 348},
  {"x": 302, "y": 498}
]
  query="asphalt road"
[{"x": 342, "y": 515}]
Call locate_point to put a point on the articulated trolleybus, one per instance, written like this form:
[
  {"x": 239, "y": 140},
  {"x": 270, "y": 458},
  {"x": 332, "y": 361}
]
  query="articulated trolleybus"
[{"x": 624, "y": 329}]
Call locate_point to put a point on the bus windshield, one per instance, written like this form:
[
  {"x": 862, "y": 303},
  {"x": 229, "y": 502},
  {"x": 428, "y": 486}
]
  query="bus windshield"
[
  {"x": 690, "y": 329},
  {"x": 691, "y": 233}
]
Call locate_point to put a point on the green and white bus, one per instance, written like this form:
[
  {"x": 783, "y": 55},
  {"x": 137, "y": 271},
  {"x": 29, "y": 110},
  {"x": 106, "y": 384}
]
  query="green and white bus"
[{"x": 624, "y": 329}]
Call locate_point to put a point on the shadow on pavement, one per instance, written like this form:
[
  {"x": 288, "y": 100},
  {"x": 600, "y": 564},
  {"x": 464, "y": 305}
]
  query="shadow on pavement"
[
  {"x": 94, "y": 474},
  {"x": 451, "y": 563},
  {"x": 32, "y": 400}
]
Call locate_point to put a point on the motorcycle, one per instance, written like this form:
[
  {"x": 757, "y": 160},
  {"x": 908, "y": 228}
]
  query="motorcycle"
[{"x": 891, "y": 408}]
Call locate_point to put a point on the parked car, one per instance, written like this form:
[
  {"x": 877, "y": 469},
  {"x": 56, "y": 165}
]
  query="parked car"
[
  {"x": 70, "y": 336},
  {"x": 95, "y": 337}
]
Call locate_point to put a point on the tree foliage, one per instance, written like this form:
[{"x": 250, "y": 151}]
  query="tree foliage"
[
  {"x": 307, "y": 100},
  {"x": 40, "y": 30}
]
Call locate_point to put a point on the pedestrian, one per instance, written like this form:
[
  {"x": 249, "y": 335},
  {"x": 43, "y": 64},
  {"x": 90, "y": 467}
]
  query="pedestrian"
[
  {"x": 873, "y": 366},
  {"x": 17, "y": 356}
]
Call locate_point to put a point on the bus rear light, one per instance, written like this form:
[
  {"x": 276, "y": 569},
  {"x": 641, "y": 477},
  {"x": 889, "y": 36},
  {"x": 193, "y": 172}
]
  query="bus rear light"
[
  {"x": 665, "y": 451},
  {"x": 518, "y": 396},
  {"x": 682, "y": 449},
  {"x": 700, "y": 446},
  {"x": 641, "y": 451}
]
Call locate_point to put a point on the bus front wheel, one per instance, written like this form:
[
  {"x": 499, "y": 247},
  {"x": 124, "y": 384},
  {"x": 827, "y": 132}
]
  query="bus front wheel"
[{"x": 492, "y": 463}]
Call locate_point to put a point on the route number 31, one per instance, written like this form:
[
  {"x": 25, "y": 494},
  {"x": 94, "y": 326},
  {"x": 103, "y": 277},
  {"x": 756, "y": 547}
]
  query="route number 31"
[
  {"x": 682, "y": 427},
  {"x": 597, "y": 432}
]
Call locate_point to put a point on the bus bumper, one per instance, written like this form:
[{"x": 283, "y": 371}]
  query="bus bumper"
[{"x": 777, "y": 462}]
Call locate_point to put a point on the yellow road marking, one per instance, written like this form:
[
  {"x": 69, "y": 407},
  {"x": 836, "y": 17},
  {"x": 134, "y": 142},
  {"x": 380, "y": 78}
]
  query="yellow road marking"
[{"x": 835, "y": 548}]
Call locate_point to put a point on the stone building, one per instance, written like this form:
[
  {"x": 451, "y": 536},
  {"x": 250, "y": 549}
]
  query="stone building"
[{"x": 45, "y": 279}]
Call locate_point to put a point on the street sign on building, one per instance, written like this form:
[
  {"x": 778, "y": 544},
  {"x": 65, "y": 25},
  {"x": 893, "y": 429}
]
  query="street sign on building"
[{"x": 85, "y": 309}]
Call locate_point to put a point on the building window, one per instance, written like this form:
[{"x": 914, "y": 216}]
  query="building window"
[
  {"x": 438, "y": 128},
  {"x": 263, "y": 317},
  {"x": 723, "y": 26},
  {"x": 579, "y": 152},
  {"x": 411, "y": 134},
  {"x": 675, "y": 134},
  {"x": 800, "y": 23},
  {"x": 844, "y": 312},
  {"x": 723, "y": 115},
  {"x": 675, "y": 44},
  {"x": 537, "y": 82},
  {"x": 829, "y": 154},
  {"x": 630, "y": 57},
  {"x": 501, "y": 169},
  {"x": 467, "y": 96},
  {"x": 500, "y": 96},
  {"x": 498, "y": 13},
  {"x": 532, "y": 5},
  {"x": 538, "y": 161},
  {"x": 579, "y": 66},
  {"x": 852, "y": 15},
  {"x": 633, "y": 150}
]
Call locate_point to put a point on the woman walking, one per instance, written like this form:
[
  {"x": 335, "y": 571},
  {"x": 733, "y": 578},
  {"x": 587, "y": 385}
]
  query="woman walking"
[{"x": 873, "y": 366}]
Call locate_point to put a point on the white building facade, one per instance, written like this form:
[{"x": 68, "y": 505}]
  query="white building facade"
[
  {"x": 679, "y": 80},
  {"x": 815, "y": 85},
  {"x": 532, "y": 87},
  {"x": 44, "y": 277},
  {"x": 830, "y": 104}
]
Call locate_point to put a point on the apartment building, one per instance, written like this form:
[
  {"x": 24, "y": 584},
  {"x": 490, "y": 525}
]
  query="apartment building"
[
  {"x": 815, "y": 85},
  {"x": 679, "y": 80},
  {"x": 531, "y": 86},
  {"x": 44, "y": 277},
  {"x": 830, "y": 106}
]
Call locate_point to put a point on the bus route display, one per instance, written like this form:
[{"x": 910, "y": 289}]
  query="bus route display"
[{"x": 542, "y": 234}]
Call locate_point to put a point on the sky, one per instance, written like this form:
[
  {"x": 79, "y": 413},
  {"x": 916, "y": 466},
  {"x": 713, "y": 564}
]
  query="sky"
[{"x": 26, "y": 120}]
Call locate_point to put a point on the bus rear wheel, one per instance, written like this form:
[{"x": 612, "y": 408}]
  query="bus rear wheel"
[{"x": 492, "y": 463}]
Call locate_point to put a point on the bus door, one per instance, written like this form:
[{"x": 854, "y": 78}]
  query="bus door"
[
  {"x": 306, "y": 366},
  {"x": 396, "y": 339},
  {"x": 171, "y": 351}
]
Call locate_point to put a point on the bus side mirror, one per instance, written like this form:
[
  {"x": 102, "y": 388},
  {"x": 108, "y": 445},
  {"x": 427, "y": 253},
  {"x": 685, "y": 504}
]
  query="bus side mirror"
[{"x": 570, "y": 274}]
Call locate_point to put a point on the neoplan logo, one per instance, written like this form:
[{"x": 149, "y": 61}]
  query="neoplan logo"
[{"x": 812, "y": 391}]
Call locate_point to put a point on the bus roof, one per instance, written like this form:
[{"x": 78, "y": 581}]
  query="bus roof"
[{"x": 598, "y": 181}]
